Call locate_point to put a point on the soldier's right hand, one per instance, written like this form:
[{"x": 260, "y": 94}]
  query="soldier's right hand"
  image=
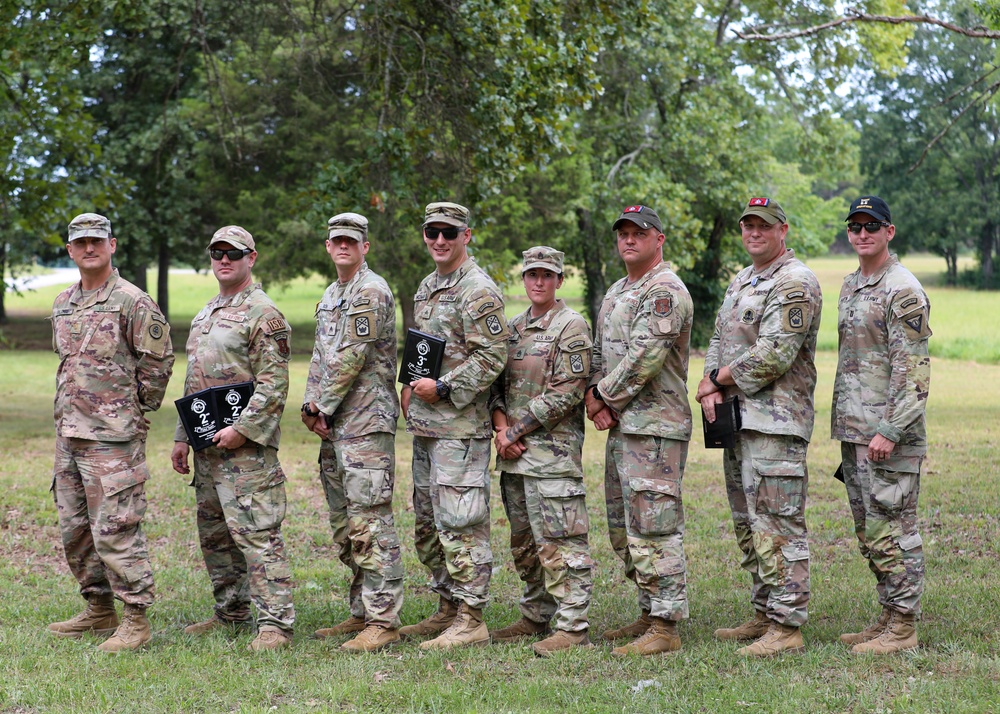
[
  {"x": 708, "y": 402},
  {"x": 179, "y": 457}
]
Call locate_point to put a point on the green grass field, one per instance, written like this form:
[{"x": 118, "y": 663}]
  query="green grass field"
[{"x": 956, "y": 669}]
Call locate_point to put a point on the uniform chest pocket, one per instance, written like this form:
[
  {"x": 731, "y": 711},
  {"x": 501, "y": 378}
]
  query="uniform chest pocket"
[
  {"x": 102, "y": 334},
  {"x": 67, "y": 333}
]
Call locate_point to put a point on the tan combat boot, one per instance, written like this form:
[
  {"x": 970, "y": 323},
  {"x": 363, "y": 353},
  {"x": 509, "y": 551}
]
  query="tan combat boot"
[
  {"x": 660, "y": 637},
  {"x": 519, "y": 630},
  {"x": 635, "y": 629},
  {"x": 751, "y": 630},
  {"x": 869, "y": 633},
  {"x": 349, "y": 626},
  {"x": 777, "y": 640},
  {"x": 131, "y": 634},
  {"x": 372, "y": 639},
  {"x": 561, "y": 640},
  {"x": 99, "y": 617},
  {"x": 900, "y": 634},
  {"x": 214, "y": 623},
  {"x": 270, "y": 638},
  {"x": 438, "y": 622},
  {"x": 466, "y": 629}
]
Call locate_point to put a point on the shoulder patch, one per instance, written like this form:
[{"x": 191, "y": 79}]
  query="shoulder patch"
[
  {"x": 360, "y": 300},
  {"x": 576, "y": 345},
  {"x": 276, "y": 324},
  {"x": 662, "y": 305}
]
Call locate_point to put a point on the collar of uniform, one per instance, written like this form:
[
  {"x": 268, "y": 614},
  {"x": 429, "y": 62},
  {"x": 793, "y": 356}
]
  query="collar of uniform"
[
  {"x": 877, "y": 276},
  {"x": 647, "y": 276},
  {"x": 100, "y": 295},
  {"x": 237, "y": 299},
  {"x": 349, "y": 285},
  {"x": 545, "y": 320},
  {"x": 769, "y": 270},
  {"x": 441, "y": 283}
]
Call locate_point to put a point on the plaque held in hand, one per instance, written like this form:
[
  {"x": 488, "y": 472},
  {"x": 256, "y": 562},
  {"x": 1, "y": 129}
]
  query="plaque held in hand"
[
  {"x": 231, "y": 400},
  {"x": 199, "y": 418},
  {"x": 721, "y": 434},
  {"x": 422, "y": 356}
]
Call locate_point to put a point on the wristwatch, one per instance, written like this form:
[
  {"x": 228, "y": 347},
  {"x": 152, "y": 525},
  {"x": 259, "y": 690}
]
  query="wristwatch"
[
  {"x": 308, "y": 412},
  {"x": 597, "y": 394},
  {"x": 442, "y": 389},
  {"x": 713, "y": 375}
]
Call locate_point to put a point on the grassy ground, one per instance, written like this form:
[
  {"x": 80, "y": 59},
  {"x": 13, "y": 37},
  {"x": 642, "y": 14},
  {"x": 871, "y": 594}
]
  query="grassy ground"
[{"x": 956, "y": 669}]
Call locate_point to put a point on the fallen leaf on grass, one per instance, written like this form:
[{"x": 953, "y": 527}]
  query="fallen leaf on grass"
[
  {"x": 645, "y": 683},
  {"x": 381, "y": 677}
]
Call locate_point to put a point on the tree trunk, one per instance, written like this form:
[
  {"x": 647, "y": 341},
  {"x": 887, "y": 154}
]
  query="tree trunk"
[
  {"x": 163, "y": 278},
  {"x": 593, "y": 266},
  {"x": 986, "y": 242},
  {"x": 405, "y": 299},
  {"x": 3, "y": 283}
]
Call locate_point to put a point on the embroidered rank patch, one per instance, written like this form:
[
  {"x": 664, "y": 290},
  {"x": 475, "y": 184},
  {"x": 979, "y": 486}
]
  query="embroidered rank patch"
[
  {"x": 663, "y": 306},
  {"x": 576, "y": 364},
  {"x": 362, "y": 327},
  {"x": 748, "y": 316},
  {"x": 520, "y": 353}
]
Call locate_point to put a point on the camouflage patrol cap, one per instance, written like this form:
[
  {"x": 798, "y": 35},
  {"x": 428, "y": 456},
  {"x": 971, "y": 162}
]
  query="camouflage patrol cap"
[
  {"x": 89, "y": 225},
  {"x": 444, "y": 212},
  {"x": 766, "y": 208},
  {"x": 352, "y": 225},
  {"x": 235, "y": 236},
  {"x": 871, "y": 206},
  {"x": 541, "y": 256},
  {"x": 642, "y": 216}
]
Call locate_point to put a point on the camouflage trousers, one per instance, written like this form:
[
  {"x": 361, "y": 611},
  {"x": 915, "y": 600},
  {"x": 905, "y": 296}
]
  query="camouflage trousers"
[
  {"x": 642, "y": 492},
  {"x": 99, "y": 491},
  {"x": 358, "y": 476},
  {"x": 548, "y": 542},
  {"x": 883, "y": 502},
  {"x": 241, "y": 504},
  {"x": 451, "y": 503},
  {"x": 767, "y": 482}
]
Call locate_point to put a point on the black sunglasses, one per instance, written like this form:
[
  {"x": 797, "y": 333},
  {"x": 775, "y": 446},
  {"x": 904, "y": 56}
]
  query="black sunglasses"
[
  {"x": 870, "y": 226},
  {"x": 233, "y": 254},
  {"x": 447, "y": 233}
]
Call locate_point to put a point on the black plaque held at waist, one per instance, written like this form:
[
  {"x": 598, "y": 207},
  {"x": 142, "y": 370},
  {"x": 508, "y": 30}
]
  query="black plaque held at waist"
[
  {"x": 231, "y": 400},
  {"x": 721, "y": 434},
  {"x": 422, "y": 356},
  {"x": 204, "y": 413}
]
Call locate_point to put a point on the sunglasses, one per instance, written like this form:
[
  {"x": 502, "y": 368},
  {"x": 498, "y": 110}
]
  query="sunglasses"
[
  {"x": 870, "y": 226},
  {"x": 446, "y": 233},
  {"x": 233, "y": 254}
]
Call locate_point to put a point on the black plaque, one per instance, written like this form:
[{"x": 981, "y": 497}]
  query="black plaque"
[
  {"x": 199, "y": 417},
  {"x": 422, "y": 356},
  {"x": 231, "y": 400},
  {"x": 721, "y": 434}
]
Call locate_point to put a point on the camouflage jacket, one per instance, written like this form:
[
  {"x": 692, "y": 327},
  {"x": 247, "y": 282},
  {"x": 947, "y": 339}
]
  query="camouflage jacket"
[
  {"x": 464, "y": 308},
  {"x": 548, "y": 364},
  {"x": 766, "y": 332},
  {"x": 115, "y": 359},
  {"x": 242, "y": 338},
  {"x": 353, "y": 369},
  {"x": 640, "y": 355},
  {"x": 883, "y": 370}
]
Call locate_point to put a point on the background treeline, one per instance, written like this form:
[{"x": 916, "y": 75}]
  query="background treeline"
[{"x": 544, "y": 116}]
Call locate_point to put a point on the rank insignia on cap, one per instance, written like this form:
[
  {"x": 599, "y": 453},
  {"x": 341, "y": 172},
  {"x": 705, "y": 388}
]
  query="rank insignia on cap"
[
  {"x": 759, "y": 202},
  {"x": 633, "y": 209}
]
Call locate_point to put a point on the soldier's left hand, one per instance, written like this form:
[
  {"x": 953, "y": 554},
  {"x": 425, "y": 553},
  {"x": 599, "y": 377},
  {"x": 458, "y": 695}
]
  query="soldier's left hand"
[
  {"x": 426, "y": 389},
  {"x": 705, "y": 388},
  {"x": 320, "y": 427},
  {"x": 709, "y": 402},
  {"x": 880, "y": 448},
  {"x": 229, "y": 438},
  {"x": 605, "y": 419}
]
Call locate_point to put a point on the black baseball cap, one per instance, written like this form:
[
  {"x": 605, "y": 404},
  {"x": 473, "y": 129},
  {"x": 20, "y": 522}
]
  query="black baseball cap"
[
  {"x": 871, "y": 206},
  {"x": 642, "y": 216}
]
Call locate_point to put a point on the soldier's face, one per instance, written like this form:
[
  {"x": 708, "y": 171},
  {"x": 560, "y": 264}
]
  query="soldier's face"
[
  {"x": 639, "y": 246},
  {"x": 346, "y": 252},
  {"x": 540, "y": 286},
  {"x": 447, "y": 254},
  {"x": 870, "y": 245},
  {"x": 92, "y": 254},
  {"x": 763, "y": 241},
  {"x": 233, "y": 275}
]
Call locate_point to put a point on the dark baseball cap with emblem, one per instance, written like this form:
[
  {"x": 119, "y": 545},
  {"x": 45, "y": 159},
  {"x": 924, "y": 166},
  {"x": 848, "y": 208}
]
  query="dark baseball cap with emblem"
[
  {"x": 444, "y": 212},
  {"x": 89, "y": 225},
  {"x": 352, "y": 225},
  {"x": 871, "y": 206},
  {"x": 766, "y": 208},
  {"x": 642, "y": 216},
  {"x": 234, "y": 235}
]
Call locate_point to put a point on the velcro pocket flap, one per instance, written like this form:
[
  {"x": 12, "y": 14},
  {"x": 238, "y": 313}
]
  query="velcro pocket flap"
[
  {"x": 778, "y": 467},
  {"x": 118, "y": 482},
  {"x": 560, "y": 488},
  {"x": 656, "y": 485}
]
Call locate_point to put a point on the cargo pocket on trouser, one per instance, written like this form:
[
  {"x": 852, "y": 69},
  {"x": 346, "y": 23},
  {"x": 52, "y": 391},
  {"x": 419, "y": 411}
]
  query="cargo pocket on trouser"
[
  {"x": 891, "y": 492},
  {"x": 461, "y": 500},
  {"x": 124, "y": 500},
  {"x": 780, "y": 487},
  {"x": 563, "y": 508},
  {"x": 368, "y": 487},
  {"x": 654, "y": 506}
]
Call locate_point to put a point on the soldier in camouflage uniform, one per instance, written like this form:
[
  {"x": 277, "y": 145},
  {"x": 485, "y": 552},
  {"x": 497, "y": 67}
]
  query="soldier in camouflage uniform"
[
  {"x": 450, "y": 423},
  {"x": 763, "y": 352},
  {"x": 351, "y": 403},
  {"x": 115, "y": 358},
  {"x": 879, "y": 400},
  {"x": 638, "y": 390},
  {"x": 537, "y": 409},
  {"x": 241, "y": 336}
]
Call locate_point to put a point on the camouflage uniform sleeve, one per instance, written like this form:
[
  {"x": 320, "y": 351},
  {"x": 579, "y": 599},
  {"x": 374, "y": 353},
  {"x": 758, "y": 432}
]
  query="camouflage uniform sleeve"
[
  {"x": 498, "y": 390},
  {"x": 788, "y": 317},
  {"x": 655, "y": 328},
  {"x": 268, "y": 353},
  {"x": 315, "y": 374},
  {"x": 910, "y": 379},
  {"x": 486, "y": 334},
  {"x": 149, "y": 335},
  {"x": 712, "y": 355},
  {"x": 569, "y": 377},
  {"x": 364, "y": 324},
  {"x": 596, "y": 355}
]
